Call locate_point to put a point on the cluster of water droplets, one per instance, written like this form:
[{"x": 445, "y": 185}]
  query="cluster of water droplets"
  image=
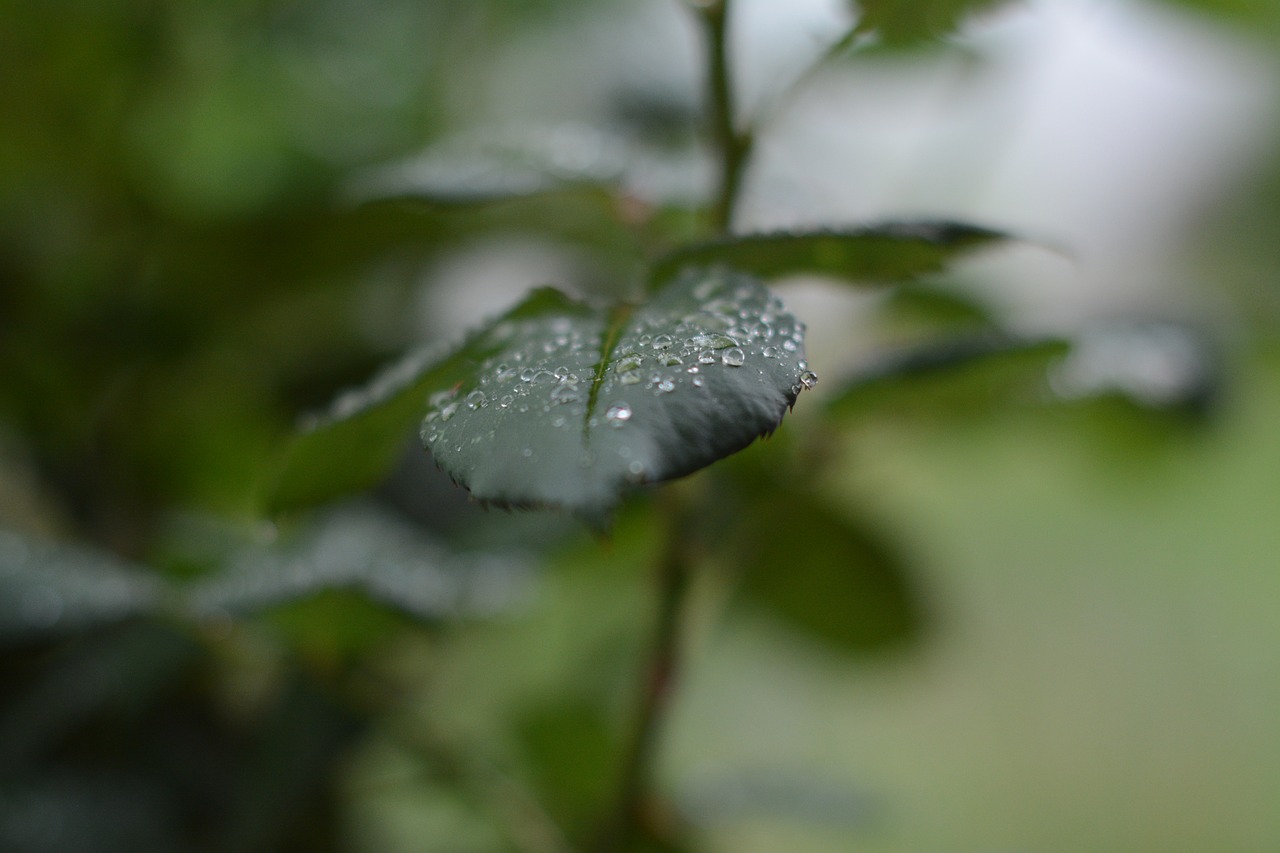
[
  {"x": 722, "y": 323},
  {"x": 548, "y": 372},
  {"x": 543, "y": 372}
]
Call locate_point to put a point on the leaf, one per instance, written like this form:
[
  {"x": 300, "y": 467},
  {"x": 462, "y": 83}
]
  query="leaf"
[
  {"x": 355, "y": 443},
  {"x": 568, "y": 405},
  {"x": 49, "y": 588},
  {"x": 825, "y": 574},
  {"x": 359, "y": 548},
  {"x": 905, "y": 22},
  {"x": 965, "y": 372},
  {"x": 886, "y": 252}
]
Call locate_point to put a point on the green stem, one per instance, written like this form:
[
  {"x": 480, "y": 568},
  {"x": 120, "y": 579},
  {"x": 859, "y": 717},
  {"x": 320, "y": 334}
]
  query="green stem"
[
  {"x": 674, "y": 569},
  {"x": 733, "y": 145}
]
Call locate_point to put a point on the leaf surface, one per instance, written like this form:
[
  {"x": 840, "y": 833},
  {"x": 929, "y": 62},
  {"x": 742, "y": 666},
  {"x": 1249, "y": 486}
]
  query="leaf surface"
[
  {"x": 565, "y": 404},
  {"x": 882, "y": 253}
]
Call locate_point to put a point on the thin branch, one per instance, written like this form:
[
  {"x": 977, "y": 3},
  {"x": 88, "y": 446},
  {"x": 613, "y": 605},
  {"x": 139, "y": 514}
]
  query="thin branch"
[
  {"x": 674, "y": 570},
  {"x": 733, "y": 144}
]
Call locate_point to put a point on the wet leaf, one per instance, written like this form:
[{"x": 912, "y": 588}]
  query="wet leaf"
[
  {"x": 568, "y": 405},
  {"x": 882, "y": 253}
]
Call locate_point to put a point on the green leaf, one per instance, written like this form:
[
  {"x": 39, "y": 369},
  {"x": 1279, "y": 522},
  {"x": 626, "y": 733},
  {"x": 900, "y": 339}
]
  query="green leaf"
[
  {"x": 359, "y": 548},
  {"x": 963, "y": 373},
  {"x": 565, "y": 404},
  {"x": 50, "y": 588},
  {"x": 354, "y": 444},
  {"x": 824, "y": 574},
  {"x": 882, "y": 253},
  {"x": 905, "y": 22}
]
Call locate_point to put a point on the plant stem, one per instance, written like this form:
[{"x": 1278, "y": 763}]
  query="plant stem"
[
  {"x": 732, "y": 144},
  {"x": 674, "y": 570}
]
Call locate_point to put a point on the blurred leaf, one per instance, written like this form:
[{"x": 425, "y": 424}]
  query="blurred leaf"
[
  {"x": 936, "y": 307},
  {"x": 49, "y": 588},
  {"x": 79, "y": 811},
  {"x": 355, "y": 443},
  {"x": 564, "y": 404},
  {"x": 825, "y": 574},
  {"x": 964, "y": 373},
  {"x": 1156, "y": 365},
  {"x": 496, "y": 165},
  {"x": 887, "y": 252},
  {"x": 526, "y": 160},
  {"x": 358, "y": 548},
  {"x": 571, "y": 750},
  {"x": 906, "y": 22}
]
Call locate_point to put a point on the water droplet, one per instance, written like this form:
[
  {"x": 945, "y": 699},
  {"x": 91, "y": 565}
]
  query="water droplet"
[
  {"x": 770, "y": 352},
  {"x": 698, "y": 382},
  {"x": 561, "y": 373},
  {"x": 438, "y": 399},
  {"x": 808, "y": 379},
  {"x": 630, "y": 378},
  {"x": 559, "y": 422},
  {"x": 477, "y": 400},
  {"x": 711, "y": 341},
  {"x": 693, "y": 368},
  {"x": 629, "y": 362},
  {"x": 566, "y": 392},
  {"x": 734, "y": 357},
  {"x": 662, "y": 342},
  {"x": 618, "y": 414},
  {"x": 527, "y": 452},
  {"x": 707, "y": 357},
  {"x": 790, "y": 345},
  {"x": 665, "y": 385},
  {"x": 672, "y": 360},
  {"x": 448, "y": 411},
  {"x": 506, "y": 400},
  {"x": 636, "y": 467}
]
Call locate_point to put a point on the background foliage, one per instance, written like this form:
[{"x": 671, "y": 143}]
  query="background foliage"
[{"x": 948, "y": 606}]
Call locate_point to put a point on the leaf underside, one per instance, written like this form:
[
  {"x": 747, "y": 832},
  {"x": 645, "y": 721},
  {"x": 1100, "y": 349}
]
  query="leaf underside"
[
  {"x": 564, "y": 404},
  {"x": 881, "y": 253}
]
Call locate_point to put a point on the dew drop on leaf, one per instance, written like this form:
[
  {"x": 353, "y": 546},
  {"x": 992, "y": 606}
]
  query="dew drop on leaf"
[
  {"x": 566, "y": 392},
  {"x": 734, "y": 357},
  {"x": 618, "y": 414}
]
